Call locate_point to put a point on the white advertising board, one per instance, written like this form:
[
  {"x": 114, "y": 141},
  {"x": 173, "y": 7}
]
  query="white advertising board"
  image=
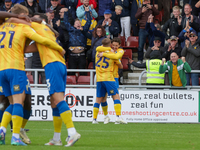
[{"x": 137, "y": 106}]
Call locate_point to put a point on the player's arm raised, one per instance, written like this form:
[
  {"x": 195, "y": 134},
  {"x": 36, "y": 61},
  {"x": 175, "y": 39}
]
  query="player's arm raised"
[
  {"x": 31, "y": 34},
  {"x": 117, "y": 55},
  {"x": 103, "y": 49}
]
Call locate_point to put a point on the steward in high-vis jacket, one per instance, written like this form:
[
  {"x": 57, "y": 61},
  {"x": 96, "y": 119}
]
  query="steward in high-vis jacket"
[{"x": 152, "y": 66}]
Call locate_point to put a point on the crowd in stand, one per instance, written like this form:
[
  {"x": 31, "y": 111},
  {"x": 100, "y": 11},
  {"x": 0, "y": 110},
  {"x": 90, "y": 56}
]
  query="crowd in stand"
[{"x": 83, "y": 24}]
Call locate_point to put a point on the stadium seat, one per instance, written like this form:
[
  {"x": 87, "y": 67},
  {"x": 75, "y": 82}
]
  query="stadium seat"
[
  {"x": 71, "y": 79},
  {"x": 30, "y": 77},
  {"x": 83, "y": 80},
  {"x": 90, "y": 66},
  {"x": 128, "y": 53},
  {"x": 123, "y": 40},
  {"x": 125, "y": 63},
  {"x": 132, "y": 43}
]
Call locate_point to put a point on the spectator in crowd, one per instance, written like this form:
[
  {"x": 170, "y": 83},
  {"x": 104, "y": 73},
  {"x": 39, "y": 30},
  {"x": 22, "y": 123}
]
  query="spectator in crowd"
[
  {"x": 143, "y": 14},
  {"x": 154, "y": 30},
  {"x": 44, "y": 4},
  {"x": 81, "y": 10},
  {"x": 103, "y": 5},
  {"x": 7, "y": 5},
  {"x": 157, "y": 47},
  {"x": 77, "y": 42},
  {"x": 98, "y": 35},
  {"x": 176, "y": 69},
  {"x": 196, "y": 12},
  {"x": 71, "y": 5},
  {"x": 134, "y": 21},
  {"x": 192, "y": 4},
  {"x": 51, "y": 19},
  {"x": 193, "y": 20},
  {"x": 125, "y": 16},
  {"x": 164, "y": 4},
  {"x": 185, "y": 33},
  {"x": 56, "y": 7},
  {"x": 154, "y": 3},
  {"x": 116, "y": 15},
  {"x": 63, "y": 33},
  {"x": 111, "y": 27},
  {"x": 191, "y": 52},
  {"x": 173, "y": 46},
  {"x": 32, "y": 5},
  {"x": 173, "y": 24},
  {"x": 17, "y": 1},
  {"x": 91, "y": 2},
  {"x": 152, "y": 65}
]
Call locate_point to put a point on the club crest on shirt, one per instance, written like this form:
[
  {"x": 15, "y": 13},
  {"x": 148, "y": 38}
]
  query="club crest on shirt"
[
  {"x": 111, "y": 91},
  {"x": 16, "y": 88},
  {"x": 1, "y": 89}
]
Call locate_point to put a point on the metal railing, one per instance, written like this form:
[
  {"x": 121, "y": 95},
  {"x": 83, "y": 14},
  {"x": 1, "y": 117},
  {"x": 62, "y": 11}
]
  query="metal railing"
[
  {"x": 166, "y": 86},
  {"x": 93, "y": 81}
]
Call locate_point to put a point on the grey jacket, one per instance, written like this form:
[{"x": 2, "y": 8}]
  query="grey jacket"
[{"x": 192, "y": 56}]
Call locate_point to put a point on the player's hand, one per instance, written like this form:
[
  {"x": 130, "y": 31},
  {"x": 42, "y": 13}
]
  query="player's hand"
[
  {"x": 100, "y": 54},
  {"x": 38, "y": 20},
  {"x": 63, "y": 52},
  {"x": 130, "y": 61},
  {"x": 183, "y": 59},
  {"x": 25, "y": 17}
]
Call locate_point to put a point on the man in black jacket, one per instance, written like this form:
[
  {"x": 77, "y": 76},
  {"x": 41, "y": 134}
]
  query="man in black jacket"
[
  {"x": 172, "y": 24},
  {"x": 32, "y": 5}
]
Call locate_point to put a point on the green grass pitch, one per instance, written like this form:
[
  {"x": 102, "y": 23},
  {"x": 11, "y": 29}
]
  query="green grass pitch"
[{"x": 132, "y": 136}]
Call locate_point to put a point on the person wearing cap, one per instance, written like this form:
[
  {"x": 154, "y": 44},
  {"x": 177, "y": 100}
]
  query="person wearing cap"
[
  {"x": 176, "y": 69},
  {"x": 173, "y": 46},
  {"x": 143, "y": 14},
  {"x": 111, "y": 26},
  {"x": 125, "y": 18},
  {"x": 154, "y": 30},
  {"x": 191, "y": 52},
  {"x": 55, "y": 6},
  {"x": 157, "y": 47},
  {"x": 32, "y": 5},
  {"x": 152, "y": 66},
  {"x": 7, "y": 5},
  {"x": 81, "y": 10}
]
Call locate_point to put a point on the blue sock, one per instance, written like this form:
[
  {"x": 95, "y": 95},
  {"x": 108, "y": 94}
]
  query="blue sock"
[
  {"x": 62, "y": 107},
  {"x": 27, "y": 113}
]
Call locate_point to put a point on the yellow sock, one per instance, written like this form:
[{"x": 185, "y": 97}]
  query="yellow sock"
[
  {"x": 17, "y": 123},
  {"x": 117, "y": 107},
  {"x": 95, "y": 110},
  {"x": 67, "y": 119},
  {"x": 6, "y": 119},
  {"x": 104, "y": 106},
  {"x": 24, "y": 123},
  {"x": 57, "y": 122}
]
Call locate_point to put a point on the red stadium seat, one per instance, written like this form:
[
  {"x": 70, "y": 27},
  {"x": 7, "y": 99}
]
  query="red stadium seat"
[
  {"x": 128, "y": 53},
  {"x": 83, "y": 80},
  {"x": 90, "y": 66},
  {"x": 132, "y": 42},
  {"x": 123, "y": 40},
  {"x": 71, "y": 79},
  {"x": 125, "y": 63},
  {"x": 30, "y": 77}
]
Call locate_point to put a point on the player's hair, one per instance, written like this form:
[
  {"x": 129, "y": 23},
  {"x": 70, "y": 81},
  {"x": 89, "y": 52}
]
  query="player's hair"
[
  {"x": 116, "y": 39},
  {"x": 176, "y": 8},
  {"x": 42, "y": 16},
  {"x": 106, "y": 42},
  {"x": 118, "y": 7},
  {"x": 19, "y": 9}
]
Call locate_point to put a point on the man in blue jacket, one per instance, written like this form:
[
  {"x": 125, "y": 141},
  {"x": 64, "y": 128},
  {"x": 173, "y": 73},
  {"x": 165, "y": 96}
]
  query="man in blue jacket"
[{"x": 77, "y": 42}]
